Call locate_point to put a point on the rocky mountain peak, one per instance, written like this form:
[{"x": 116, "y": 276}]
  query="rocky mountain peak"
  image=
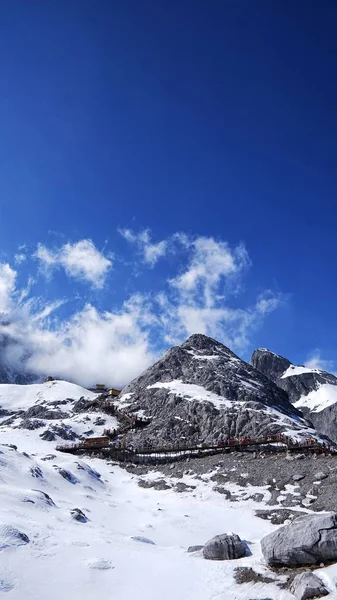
[
  {"x": 202, "y": 391},
  {"x": 270, "y": 364}
]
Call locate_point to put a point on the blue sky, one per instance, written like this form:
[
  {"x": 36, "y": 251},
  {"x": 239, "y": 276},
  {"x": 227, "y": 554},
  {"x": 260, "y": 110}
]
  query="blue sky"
[{"x": 172, "y": 164}]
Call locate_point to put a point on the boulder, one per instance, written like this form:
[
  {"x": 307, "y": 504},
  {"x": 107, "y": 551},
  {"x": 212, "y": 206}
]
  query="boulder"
[
  {"x": 226, "y": 546},
  {"x": 309, "y": 540},
  {"x": 78, "y": 515},
  {"x": 320, "y": 475},
  {"x": 307, "y": 585}
]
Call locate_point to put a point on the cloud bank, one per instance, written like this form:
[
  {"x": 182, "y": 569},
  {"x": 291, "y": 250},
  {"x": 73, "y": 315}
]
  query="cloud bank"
[{"x": 91, "y": 345}]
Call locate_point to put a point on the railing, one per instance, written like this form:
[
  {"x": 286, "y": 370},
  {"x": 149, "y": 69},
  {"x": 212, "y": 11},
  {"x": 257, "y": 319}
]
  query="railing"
[{"x": 122, "y": 452}]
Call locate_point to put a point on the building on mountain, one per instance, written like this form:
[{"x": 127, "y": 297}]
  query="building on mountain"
[{"x": 113, "y": 392}]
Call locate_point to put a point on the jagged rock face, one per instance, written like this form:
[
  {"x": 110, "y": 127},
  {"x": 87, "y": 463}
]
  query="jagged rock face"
[
  {"x": 201, "y": 390},
  {"x": 270, "y": 364},
  {"x": 298, "y": 387},
  {"x": 274, "y": 367}
]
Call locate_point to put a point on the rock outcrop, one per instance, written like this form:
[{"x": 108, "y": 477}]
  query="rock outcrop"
[
  {"x": 201, "y": 391},
  {"x": 227, "y": 546},
  {"x": 309, "y": 540},
  {"x": 313, "y": 391},
  {"x": 307, "y": 585}
]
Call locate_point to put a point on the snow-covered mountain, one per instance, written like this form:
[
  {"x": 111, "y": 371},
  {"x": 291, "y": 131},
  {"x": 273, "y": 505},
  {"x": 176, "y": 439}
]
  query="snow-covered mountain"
[
  {"x": 55, "y": 409},
  {"x": 83, "y": 528},
  {"x": 312, "y": 391},
  {"x": 201, "y": 391}
]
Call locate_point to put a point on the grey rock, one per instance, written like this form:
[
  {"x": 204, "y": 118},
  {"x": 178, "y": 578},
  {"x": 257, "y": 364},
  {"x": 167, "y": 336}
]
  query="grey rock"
[
  {"x": 46, "y": 498},
  {"x": 273, "y": 366},
  {"x": 270, "y": 364},
  {"x": 101, "y": 564},
  {"x": 194, "y": 548},
  {"x": 223, "y": 491},
  {"x": 43, "y": 412},
  {"x": 31, "y": 424},
  {"x": 319, "y": 476},
  {"x": 307, "y": 585},
  {"x": 278, "y": 516},
  {"x": 204, "y": 362},
  {"x": 182, "y": 487},
  {"x": 78, "y": 515},
  {"x": 309, "y": 540},
  {"x": 36, "y": 472},
  {"x": 48, "y": 436},
  {"x": 143, "y": 540},
  {"x": 10, "y": 536},
  {"x": 63, "y": 431},
  {"x": 226, "y": 546},
  {"x": 257, "y": 497},
  {"x": 66, "y": 475},
  {"x": 298, "y": 477}
]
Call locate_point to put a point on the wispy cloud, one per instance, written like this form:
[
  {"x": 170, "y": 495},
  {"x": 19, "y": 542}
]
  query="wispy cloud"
[
  {"x": 316, "y": 361},
  {"x": 80, "y": 260},
  {"x": 20, "y": 258},
  {"x": 150, "y": 252}
]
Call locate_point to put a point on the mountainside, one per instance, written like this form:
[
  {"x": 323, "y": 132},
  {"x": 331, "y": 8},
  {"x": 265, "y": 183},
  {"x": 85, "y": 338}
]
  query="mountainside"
[
  {"x": 313, "y": 391},
  {"x": 201, "y": 391},
  {"x": 58, "y": 410},
  {"x": 71, "y": 526}
]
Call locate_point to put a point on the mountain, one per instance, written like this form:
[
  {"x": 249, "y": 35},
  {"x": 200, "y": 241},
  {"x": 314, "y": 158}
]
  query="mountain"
[
  {"x": 8, "y": 348},
  {"x": 57, "y": 410},
  {"x": 201, "y": 391},
  {"x": 313, "y": 391}
]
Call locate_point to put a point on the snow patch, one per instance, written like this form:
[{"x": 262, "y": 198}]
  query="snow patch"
[
  {"x": 318, "y": 400},
  {"x": 192, "y": 392},
  {"x": 293, "y": 370}
]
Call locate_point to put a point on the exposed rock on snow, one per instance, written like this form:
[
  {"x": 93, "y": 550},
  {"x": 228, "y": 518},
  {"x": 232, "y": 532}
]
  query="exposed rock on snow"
[
  {"x": 78, "y": 515},
  {"x": 101, "y": 564},
  {"x": 226, "y": 546},
  {"x": 309, "y": 540},
  {"x": 307, "y": 585},
  {"x": 10, "y": 536},
  {"x": 143, "y": 540},
  {"x": 66, "y": 474}
]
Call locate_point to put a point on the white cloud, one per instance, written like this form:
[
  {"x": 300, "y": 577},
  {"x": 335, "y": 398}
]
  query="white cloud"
[
  {"x": 20, "y": 258},
  {"x": 81, "y": 261},
  {"x": 90, "y": 346},
  {"x": 150, "y": 252},
  {"x": 267, "y": 302},
  {"x": 315, "y": 361},
  {"x": 211, "y": 268},
  {"x": 7, "y": 286}
]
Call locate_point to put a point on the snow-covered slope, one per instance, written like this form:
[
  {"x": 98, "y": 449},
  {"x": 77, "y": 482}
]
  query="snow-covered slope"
[
  {"x": 99, "y": 558},
  {"x": 57, "y": 409},
  {"x": 16, "y": 397},
  {"x": 312, "y": 391},
  {"x": 84, "y": 528}
]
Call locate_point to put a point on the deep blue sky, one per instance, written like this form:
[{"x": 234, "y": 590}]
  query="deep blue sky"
[{"x": 216, "y": 119}]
